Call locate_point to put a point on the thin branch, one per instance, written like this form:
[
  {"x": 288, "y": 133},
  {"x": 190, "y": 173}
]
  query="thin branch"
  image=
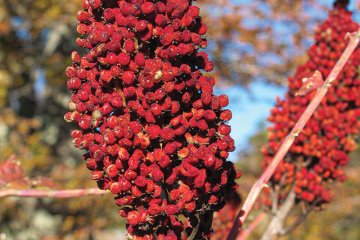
[
  {"x": 195, "y": 230},
  {"x": 285, "y": 146},
  {"x": 275, "y": 196},
  {"x": 277, "y": 223},
  {"x": 300, "y": 219},
  {"x": 34, "y": 193},
  {"x": 245, "y": 233}
]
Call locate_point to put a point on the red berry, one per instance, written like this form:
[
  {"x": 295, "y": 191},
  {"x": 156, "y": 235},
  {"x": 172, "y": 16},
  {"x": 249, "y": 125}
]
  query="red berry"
[
  {"x": 147, "y": 7},
  {"x": 133, "y": 218},
  {"x": 123, "y": 59},
  {"x": 128, "y": 77},
  {"x": 223, "y": 100},
  {"x": 95, "y": 4},
  {"x": 112, "y": 170}
]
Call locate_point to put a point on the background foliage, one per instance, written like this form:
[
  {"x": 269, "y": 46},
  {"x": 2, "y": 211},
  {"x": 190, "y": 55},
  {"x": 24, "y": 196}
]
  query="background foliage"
[{"x": 260, "y": 40}]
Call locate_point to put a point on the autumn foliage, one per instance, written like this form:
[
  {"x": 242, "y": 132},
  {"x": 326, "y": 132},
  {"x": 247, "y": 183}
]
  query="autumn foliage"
[{"x": 154, "y": 133}]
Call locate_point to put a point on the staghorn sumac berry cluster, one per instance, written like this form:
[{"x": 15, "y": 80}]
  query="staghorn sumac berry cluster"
[
  {"x": 321, "y": 150},
  {"x": 155, "y": 134}
]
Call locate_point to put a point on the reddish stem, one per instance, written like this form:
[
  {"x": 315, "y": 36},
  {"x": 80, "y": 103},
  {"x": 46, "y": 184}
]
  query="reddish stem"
[
  {"x": 51, "y": 193},
  {"x": 285, "y": 146}
]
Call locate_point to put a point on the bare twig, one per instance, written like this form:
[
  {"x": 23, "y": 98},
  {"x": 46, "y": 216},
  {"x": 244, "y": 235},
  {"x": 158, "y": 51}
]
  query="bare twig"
[
  {"x": 195, "y": 230},
  {"x": 276, "y": 227},
  {"x": 297, "y": 222},
  {"x": 275, "y": 196},
  {"x": 35, "y": 193},
  {"x": 285, "y": 146}
]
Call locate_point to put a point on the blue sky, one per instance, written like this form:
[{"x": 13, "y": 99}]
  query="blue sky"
[{"x": 250, "y": 109}]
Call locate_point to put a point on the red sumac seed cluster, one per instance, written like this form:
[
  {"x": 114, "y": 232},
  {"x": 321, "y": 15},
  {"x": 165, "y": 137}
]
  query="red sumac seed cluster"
[
  {"x": 155, "y": 134},
  {"x": 321, "y": 150}
]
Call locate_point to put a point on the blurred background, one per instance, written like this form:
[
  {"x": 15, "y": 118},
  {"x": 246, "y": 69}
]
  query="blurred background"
[{"x": 255, "y": 44}]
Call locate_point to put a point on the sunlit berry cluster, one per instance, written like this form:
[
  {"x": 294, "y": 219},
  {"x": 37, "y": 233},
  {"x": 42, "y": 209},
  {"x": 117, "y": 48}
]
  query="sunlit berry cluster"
[
  {"x": 321, "y": 150},
  {"x": 155, "y": 135}
]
